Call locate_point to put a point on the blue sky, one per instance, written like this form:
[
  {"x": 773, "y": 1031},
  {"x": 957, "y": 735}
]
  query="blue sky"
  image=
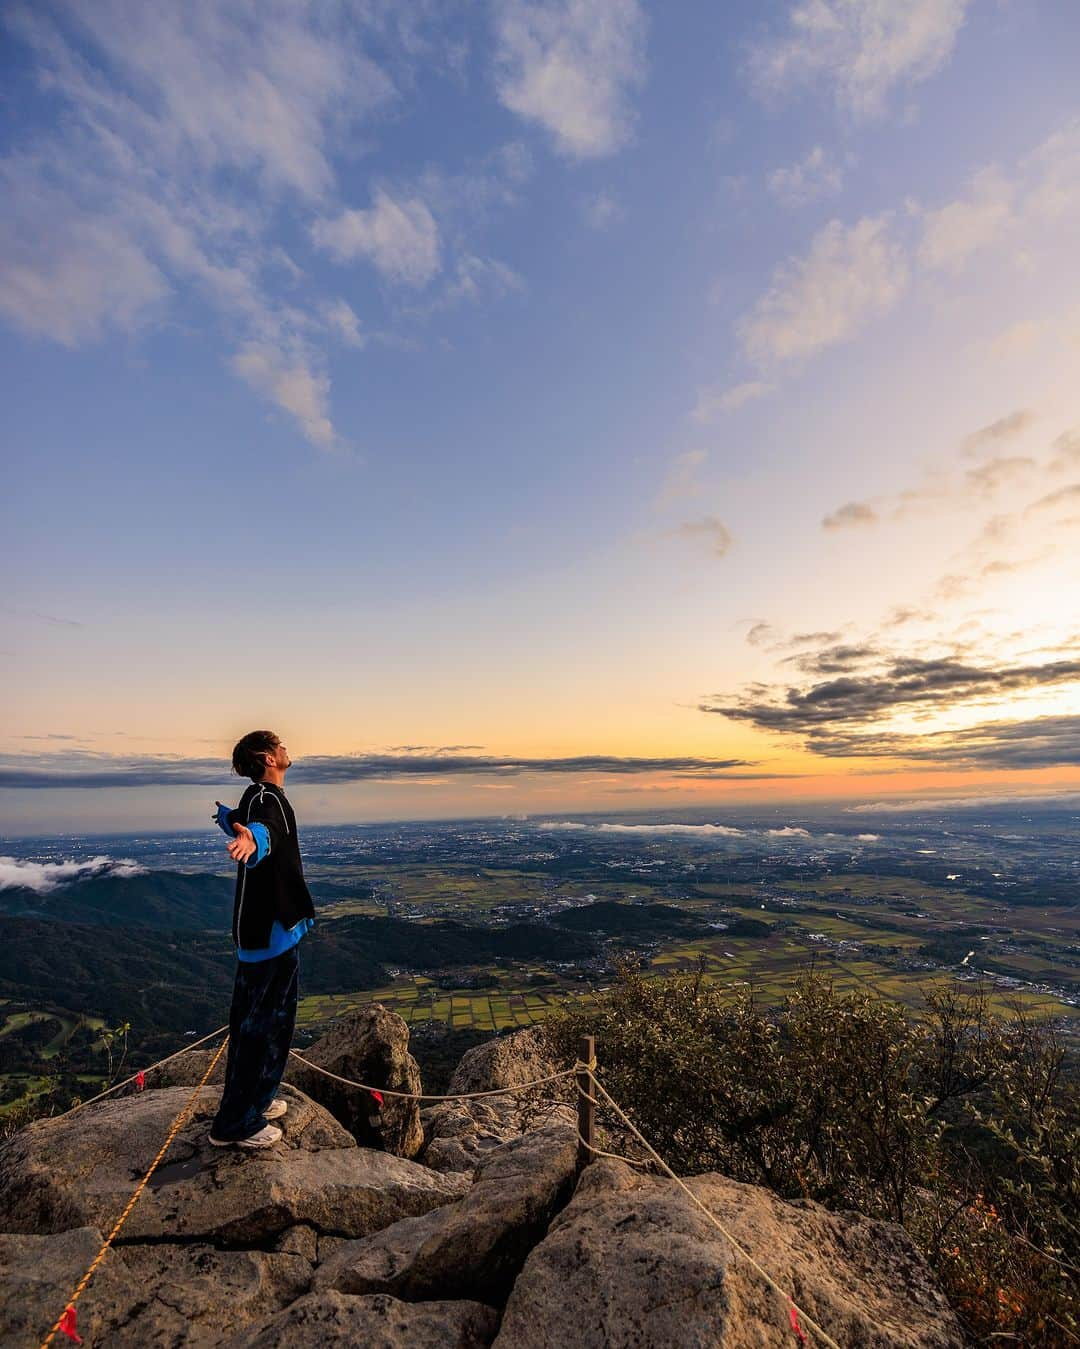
[{"x": 544, "y": 376}]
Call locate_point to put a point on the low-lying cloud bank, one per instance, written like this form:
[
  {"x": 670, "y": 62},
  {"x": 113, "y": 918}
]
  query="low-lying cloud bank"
[
  {"x": 85, "y": 769},
  {"x": 695, "y": 830},
  {"x": 43, "y": 877}
]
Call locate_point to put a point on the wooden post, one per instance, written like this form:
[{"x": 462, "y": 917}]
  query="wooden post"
[{"x": 586, "y": 1109}]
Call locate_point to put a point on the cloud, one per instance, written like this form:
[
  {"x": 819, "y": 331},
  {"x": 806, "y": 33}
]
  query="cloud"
[
  {"x": 183, "y": 141},
  {"x": 963, "y": 227},
  {"x": 715, "y": 400},
  {"x": 788, "y": 831},
  {"x": 1066, "y": 450},
  {"x": 570, "y": 66},
  {"x": 1038, "y": 742},
  {"x": 601, "y": 211},
  {"x": 833, "y": 659},
  {"x": 709, "y": 530},
  {"x": 44, "y": 877},
  {"x": 863, "y": 49},
  {"x": 84, "y": 769},
  {"x": 292, "y": 385},
  {"x": 853, "y": 513},
  {"x": 1064, "y": 496},
  {"x": 228, "y": 87},
  {"x": 814, "y": 176},
  {"x": 681, "y": 480},
  {"x": 999, "y": 472},
  {"x": 823, "y": 711},
  {"x": 690, "y": 830},
  {"x": 477, "y": 278},
  {"x": 850, "y": 276},
  {"x": 340, "y": 317},
  {"x": 1067, "y": 799},
  {"x": 1055, "y": 170},
  {"x": 398, "y": 236},
  {"x": 68, "y": 277},
  {"x": 760, "y": 634},
  {"x": 1017, "y": 339},
  {"x": 904, "y": 613},
  {"x": 1005, "y": 428}
]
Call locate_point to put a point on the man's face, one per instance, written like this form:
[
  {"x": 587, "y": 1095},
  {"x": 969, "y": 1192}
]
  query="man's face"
[{"x": 279, "y": 759}]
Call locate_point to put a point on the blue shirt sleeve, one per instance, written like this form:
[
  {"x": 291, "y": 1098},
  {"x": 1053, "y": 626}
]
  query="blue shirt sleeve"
[
  {"x": 261, "y": 835},
  {"x": 222, "y": 816}
]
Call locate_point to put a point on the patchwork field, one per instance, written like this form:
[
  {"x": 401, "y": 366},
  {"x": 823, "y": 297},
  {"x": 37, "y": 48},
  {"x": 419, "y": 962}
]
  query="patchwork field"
[{"x": 418, "y": 1000}]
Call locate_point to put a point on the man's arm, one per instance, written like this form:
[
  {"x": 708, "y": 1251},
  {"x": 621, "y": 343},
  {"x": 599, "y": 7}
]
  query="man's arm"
[{"x": 247, "y": 843}]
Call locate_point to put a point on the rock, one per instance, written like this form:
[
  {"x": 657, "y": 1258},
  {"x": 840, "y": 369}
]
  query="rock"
[
  {"x": 51, "y": 1180},
  {"x": 187, "y": 1070},
  {"x": 459, "y": 1134},
  {"x": 162, "y": 1295},
  {"x": 377, "y": 1322},
  {"x": 630, "y": 1261},
  {"x": 505, "y": 1061},
  {"x": 38, "y": 1274},
  {"x": 476, "y": 1247},
  {"x": 370, "y": 1045},
  {"x": 193, "y": 1295}
]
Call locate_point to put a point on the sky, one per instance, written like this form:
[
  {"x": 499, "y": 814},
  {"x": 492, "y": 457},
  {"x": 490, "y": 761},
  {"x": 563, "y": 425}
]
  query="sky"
[{"x": 537, "y": 405}]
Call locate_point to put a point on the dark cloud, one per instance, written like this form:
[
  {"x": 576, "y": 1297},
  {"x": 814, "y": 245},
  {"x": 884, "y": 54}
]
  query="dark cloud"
[
  {"x": 813, "y": 639},
  {"x": 908, "y": 683},
  {"x": 765, "y": 635},
  {"x": 432, "y": 749},
  {"x": 833, "y": 659},
  {"x": 1041, "y": 742},
  {"x": 1003, "y": 429},
  {"x": 853, "y": 513},
  {"x": 86, "y": 770}
]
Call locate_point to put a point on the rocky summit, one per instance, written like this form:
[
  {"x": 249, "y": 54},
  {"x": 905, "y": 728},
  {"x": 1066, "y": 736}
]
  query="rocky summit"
[{"x": 463, "y": 1226}]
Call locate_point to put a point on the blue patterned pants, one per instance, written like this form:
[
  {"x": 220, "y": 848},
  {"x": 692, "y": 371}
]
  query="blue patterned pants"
[{"x": 261, "y": 1025}]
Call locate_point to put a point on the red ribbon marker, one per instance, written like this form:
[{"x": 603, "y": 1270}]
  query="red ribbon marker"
[
  {"x": 795, "y": 1323},
  {"x": 67, "y": 1325},
  {"x": 377, "y": 1095},
  {"x": 140, "y": 1080}
]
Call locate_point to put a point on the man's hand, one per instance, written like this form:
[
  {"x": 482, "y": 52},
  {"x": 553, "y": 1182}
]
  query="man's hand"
[{"x": 242, "y": 846}]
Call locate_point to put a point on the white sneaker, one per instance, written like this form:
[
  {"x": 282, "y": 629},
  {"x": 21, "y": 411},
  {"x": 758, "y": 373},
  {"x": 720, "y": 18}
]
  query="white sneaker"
[
  {"x": 275, "y": 1109},
  {"x": 265, "y": 1138}
]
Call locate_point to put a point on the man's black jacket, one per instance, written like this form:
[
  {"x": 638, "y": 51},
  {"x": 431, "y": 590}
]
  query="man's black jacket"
[{"x": 276, "y": 887}]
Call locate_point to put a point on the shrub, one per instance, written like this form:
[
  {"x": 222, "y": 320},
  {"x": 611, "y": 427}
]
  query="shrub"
[{"x": 958, "y": 1124}]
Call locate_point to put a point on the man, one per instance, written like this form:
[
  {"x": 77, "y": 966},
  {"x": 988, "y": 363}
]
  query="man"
[{"x": 272, "y": 910}]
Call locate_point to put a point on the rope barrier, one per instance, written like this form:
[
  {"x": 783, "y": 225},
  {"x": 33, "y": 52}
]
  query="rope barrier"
[
  {"x": 141, "y": 1073},
  {"x": 459, "y": 1096},
  {"x": 794, "y": 1308},
  {"x": 66, "y": 1321}
]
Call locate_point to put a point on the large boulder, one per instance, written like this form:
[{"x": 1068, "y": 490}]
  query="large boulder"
[
  {"x": 80, "y": 1171},
  {"x": 476, "y": 1247},
  {"x": 187, "y": 1070},
  {"x": 370, "y": 1045},
  {"x": 631, "y": 1261},
  {"x": 458, "y": 1135},
  {"x": 504, "y": 1061},
  {"x": 38, "y": 1275},
  {"x": 164, "y": 1295},
  {"x": 378, "y": 1322}
]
